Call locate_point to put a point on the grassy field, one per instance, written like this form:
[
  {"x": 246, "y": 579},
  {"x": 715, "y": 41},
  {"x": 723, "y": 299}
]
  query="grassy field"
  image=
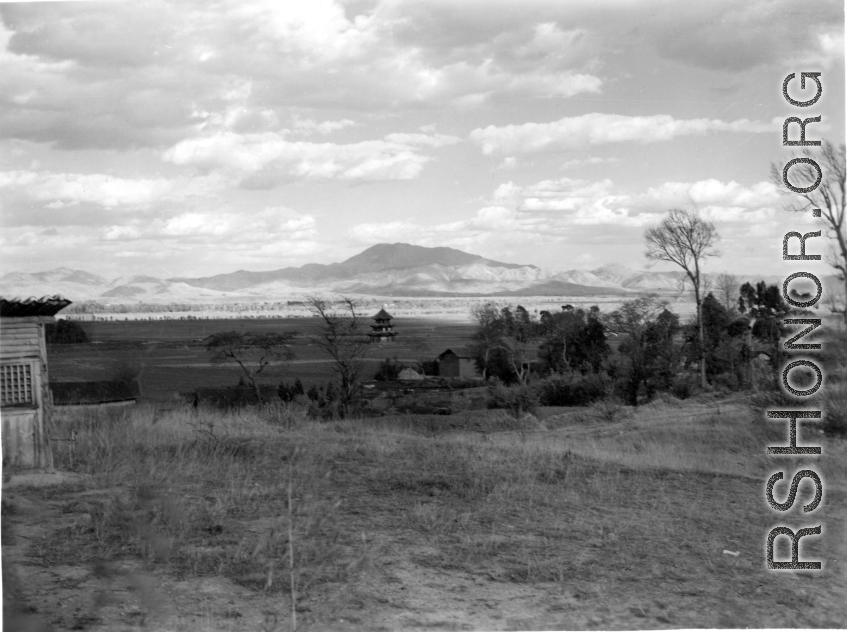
[
  {"x": 579, "y": 519},
  {"x": 171, "y": 357}
]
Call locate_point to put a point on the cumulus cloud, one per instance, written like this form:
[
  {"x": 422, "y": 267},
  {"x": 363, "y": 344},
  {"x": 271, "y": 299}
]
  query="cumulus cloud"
[
  {"x": 599, "y": 129},
  {"x": 737, "y": 37},
  {"x": 266, "y": 226},
  {"x": 310, "y": 126},
  {"x": 578, "y": 162},
  {"x": 126, "y": 75},
  {"x": 571, "y": 210},
  {"x": 396, "y": 157},
  {"x": 63, "y": 191}
]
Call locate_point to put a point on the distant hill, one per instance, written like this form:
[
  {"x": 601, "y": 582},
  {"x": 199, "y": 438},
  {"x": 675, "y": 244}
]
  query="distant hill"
[
  {"x": 382, "y": 270},
  {"x": 381, "y": 258}
]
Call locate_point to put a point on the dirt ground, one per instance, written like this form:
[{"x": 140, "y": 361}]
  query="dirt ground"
[{"x": 400, "y": 591}]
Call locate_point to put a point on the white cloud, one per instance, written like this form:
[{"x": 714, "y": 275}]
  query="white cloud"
[
  {"x": 429, "y": 140},
  {"x": 373, "y": 232},
  {"x": 395, "y": 158},
  {"x": 597, "y": 129},
  {"x": 220, "y": 227},
  {"x": 310, "y": 126},
  {"x": 66, "y": 189},
  {"x": 577, "y": 162},
  {"x": 714, "y": 194},
  {"x": 569, "y": 211}
]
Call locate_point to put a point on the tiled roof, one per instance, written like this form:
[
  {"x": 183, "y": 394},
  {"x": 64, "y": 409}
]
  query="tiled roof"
[
  {"x": 383, "y": 315},
  {"x": 44, "y": 306}
]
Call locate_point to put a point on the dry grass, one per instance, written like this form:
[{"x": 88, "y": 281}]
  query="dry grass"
[{"x": 643, "y": 506}]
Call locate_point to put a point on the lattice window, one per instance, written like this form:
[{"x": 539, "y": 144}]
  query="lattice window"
[{"x": 16, "y": 385}]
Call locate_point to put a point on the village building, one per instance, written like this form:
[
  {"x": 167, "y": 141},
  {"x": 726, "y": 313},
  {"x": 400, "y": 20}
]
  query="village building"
[
  {"x": 25, "y": 401},
  {"x": 452, "y": 364},
  {"x": 383, "y": 330}
]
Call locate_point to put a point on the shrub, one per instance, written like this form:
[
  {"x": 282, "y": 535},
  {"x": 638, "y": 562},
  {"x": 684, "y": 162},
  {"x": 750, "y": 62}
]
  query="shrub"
[
  {"x": 609, "y": 410},
  {"x": 834, "y": 407},
  {"x": 388, "y": 370},
  {"x": 430, "y": 367},
  {"x": 516, "y": 399},
  {"x": 289, "y": 393},
  {"x": 559, "y": 390},
  {"x": 727, "y": 381},
  {"x": 682, "y": 387},
  {"x": 65, "y": 332}
]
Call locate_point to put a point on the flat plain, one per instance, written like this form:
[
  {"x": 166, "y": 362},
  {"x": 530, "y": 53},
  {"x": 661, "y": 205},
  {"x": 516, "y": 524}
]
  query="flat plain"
[{"x": 170, "y": 356}]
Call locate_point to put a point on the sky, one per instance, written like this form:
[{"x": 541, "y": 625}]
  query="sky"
[{"x": 198, "y": 138}]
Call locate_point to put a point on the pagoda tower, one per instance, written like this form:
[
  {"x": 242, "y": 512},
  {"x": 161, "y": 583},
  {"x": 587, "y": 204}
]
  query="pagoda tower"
[{"x": 383, "y": 330}]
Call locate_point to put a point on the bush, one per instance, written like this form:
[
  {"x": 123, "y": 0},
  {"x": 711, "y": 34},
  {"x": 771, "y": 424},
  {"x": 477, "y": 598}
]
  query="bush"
[
  {"x": 834, "y": 406},
  {"x": 388, "y": 370},
  {"x": 516, "y": 399},
  {"x": 65, "y": 332},
  {"x": 559, "y": 390},
  {"x": 429, "y": 367},
  {"x": 727, "y": 382},
  {"x": 682, "y": 387},
  {"x": 289, "y": 393}
]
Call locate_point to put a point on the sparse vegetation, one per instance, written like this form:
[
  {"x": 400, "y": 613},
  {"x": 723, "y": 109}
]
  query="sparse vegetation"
[
  {"x": 253, "y": 352},
  {"x": 318, "y": 516}
]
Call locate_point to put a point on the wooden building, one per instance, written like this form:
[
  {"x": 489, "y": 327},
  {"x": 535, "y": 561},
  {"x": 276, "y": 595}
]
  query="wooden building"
[
  {"x": 383, "y": 330},
  {"x": 25, "y": 401},
  {"x": 452, "y": 364}
]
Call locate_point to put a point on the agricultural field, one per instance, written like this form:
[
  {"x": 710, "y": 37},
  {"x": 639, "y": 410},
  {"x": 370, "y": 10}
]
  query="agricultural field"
[
  {"x": 582, "y": 518},
  {"x": 171, "y": 359}
]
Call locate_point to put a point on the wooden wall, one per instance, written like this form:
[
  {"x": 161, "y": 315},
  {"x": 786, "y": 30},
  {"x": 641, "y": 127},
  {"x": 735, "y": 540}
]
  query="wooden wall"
[{"x": 26, "y": 442}]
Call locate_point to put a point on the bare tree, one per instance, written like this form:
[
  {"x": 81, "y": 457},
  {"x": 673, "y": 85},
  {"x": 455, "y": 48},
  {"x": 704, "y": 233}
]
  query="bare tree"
[
  {"x": 683, "y": 238},
  {"x": 727, "y": 286},
  {"x": 251, "y": 351},
  {"x": 342, "y": 336},
  {"x": 828, "y": 197}
]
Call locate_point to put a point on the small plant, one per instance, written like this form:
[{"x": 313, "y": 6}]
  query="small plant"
[
  {"x": 284, "y": 415},
  {"x": 682, "y": 387},
  {"x": 204, "y": 427},
  {"x": 517, "y": 399},
  {"x": 559, "y": 390},
  {"x": 834, "y": 406},
  {"x": 609, "y": 410}
]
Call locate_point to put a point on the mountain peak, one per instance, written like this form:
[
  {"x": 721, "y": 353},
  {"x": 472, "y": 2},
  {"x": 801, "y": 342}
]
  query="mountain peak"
[{"x": 397, "y": 256}]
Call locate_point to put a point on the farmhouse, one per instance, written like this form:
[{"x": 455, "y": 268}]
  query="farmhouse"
[
  {"x": 383, "y": 330},
  {"x": 25, "y": 400},
  {"x": 452, "y": 364}
]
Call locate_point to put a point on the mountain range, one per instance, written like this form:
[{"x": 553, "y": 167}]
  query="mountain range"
[{"x": 382, "y": 270}]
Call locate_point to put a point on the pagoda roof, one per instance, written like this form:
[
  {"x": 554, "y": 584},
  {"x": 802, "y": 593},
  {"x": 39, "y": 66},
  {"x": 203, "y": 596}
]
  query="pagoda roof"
[{"x": 383, "y": 315}]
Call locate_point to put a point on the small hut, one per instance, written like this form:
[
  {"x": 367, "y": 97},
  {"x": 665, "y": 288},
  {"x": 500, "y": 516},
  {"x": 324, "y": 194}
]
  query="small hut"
[
  {"x": 25, "y": 400},
  {"x": 383, "y": 330},
  {"x": 452, "y": 364}
]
